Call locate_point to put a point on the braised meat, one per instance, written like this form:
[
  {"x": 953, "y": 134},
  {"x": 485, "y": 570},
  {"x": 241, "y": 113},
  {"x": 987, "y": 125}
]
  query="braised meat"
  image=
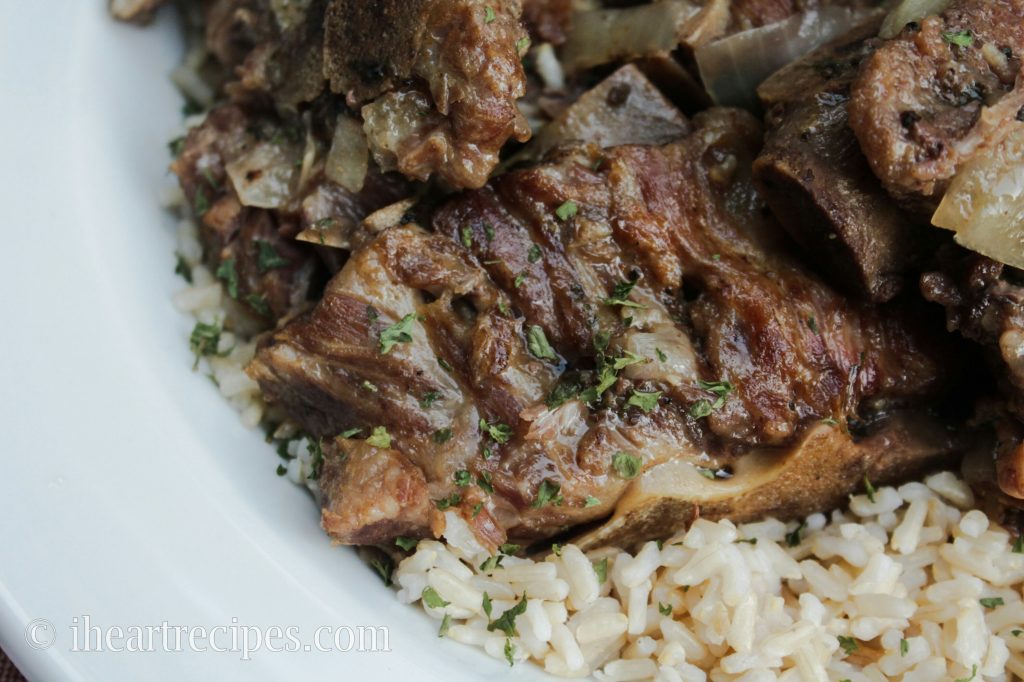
[
  {"x": 437, "y": 81},
  {"x": 937, "y": 94},
  {"x": 569, "y": 327},
  {"x": 817, "y": 182}
]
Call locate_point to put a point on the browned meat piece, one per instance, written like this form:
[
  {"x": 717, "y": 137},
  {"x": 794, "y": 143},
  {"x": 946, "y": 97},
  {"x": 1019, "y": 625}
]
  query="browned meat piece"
[
  {"x": 139, "y": 11},
  {"x": 437, "y": 81},
  {"x": 573, "y": 324},
  {"x": 937, "y": 94},
  {"x": 239, "y": 174},
  {"x": 817, "y": 182},
  {"x": 548, "y": 20}
]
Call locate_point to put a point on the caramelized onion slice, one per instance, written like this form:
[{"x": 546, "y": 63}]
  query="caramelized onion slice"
[
  {"x": 348, "y": 160},
  {"x": 907, "y": 11},
  {"x": 264, "y": 176}
]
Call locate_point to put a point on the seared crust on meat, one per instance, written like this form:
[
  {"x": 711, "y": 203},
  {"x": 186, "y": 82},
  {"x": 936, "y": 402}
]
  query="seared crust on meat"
[{"x": 937, "y": 94}]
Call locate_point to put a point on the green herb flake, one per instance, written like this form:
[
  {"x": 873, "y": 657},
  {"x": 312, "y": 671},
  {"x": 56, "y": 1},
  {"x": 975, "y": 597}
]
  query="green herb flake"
[
  {"x": 442, "y": 436},
  {"x": 446, "y": 623},
  {"x": 626, "y": 465},
  {"x": 316, "y": 449},
  {"x": 466, "y": 236},
  {"x": 226, "y": 272},
  {"x": 518, "y": 281},
  {"x": 486, "y": 604},
  {"x": 488, "y": 15},
  {"x": 991, "y": 602},
  {"x": 645, "y": 401},
  {"x": 477, "y": 508},
  {"x": 537, "y": 343},
  {"x": 509, "y": 548},
  {"x": 904, "y": 647},
  {"x": 628, "y": 358},
  {"x": 491, "y": 563},
  {"x": 200, "y": 204},
  {"x": 974, "y": 673},
  {"x": 706, "y": 473},
  {"x": 204, "y": 340},
  {"x": 661, "y": 354},
  {"x": 1017, "y": 633},
  {"x": 1018, "y": 544},
  {"x": 620, "y": 296},
  {"x": 829, "y": 421},
  {"x": 959, "y": 38},
  {"x": 379, "y": 438},
  {"x": 601, "y": 569},
  {"x": 848, "y": 644},
  {"x": 489, "y": 232},
  {"x": 432, "y": 599},
  {"x": 665, "y": 609},
  {"x": 591, "y": 501},
  {"x": 369, "y": 386},
  {"x": 384, "y": 568},
  {"x": 429, "y": 398},
  {"x": 793, "y": 538},
  {"x": 400, "y": 332},
  {"x": 869, "y": 489},
  {"x": 567, "y": 210},
  {"x": 443, "y": 364},
  {"x": 181, "y": 267},
  {"x": 506, "y": 622},
  {"x": 700, "y": 409},
  {"x": 281, "y": 470},
  {"x": 176, "y": 146},
  {"x": 548, "y": 493},
  {"x": 446, "y": 502},
  {"x": 749, "y": 541},
  {"x": 258, "y": 302},
  {"x": 534, "y": 254},
  {"x": 500, "y": 433},
  {"x": 349, "y": 432},
  {"x": 268, "y": 258},
  {"x": 556, "y": 549},
  {"x": 484, "y": 481},
  {"x": 510, "y": 651},
  {"x": 408, "y": 544},
  {"x": 462, "y": 478}
]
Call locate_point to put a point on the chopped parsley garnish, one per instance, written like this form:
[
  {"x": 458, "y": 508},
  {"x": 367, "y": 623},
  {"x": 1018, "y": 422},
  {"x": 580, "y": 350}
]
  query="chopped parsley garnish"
[
  {"x": 605, "y": 380},
  {"x": 384, "y": 568},
  {"x": 446, "y": 623},
  {"x": 281, "y": 470},
  {"x": 869, "y": 489},
  {"x": 380, "y": 438},
  {"x": 429, "y": 398},
  {"x": 661, "y": 354},
  {"x": 442, "y": 436},
  {"x": 812, "y": 324},
  {"x": 477, "y": 509},
  {"x": 706, "y": 473},
  {"x": 904, "y": 647},
  {"x": 509, "y": 548},
  {"x": 444, "y": 364},
  {"x": 488, "y": 15},
  {"x": 522, "y": 45},
  {"x": 645, "y": 401},
  {"x": 959, "y": 38},
  {"x": 432, "y": 599},
  {"x": 704, "y": 407},
  {"x": 627, "y": 465},
  {"x": 601, "y": 569},
  {"x": 534, "y": 254},
  {"x": 500, "y": 433},
  {"x": 566, "y": 389},
  {"x": 371, "y": 313},
  {"x": 489, "y": 231},
  {"x": 628, "y": 358},
  {"x": 204, "y": 340},
  {"x": 665, "y": 609},
  {"x": 466, "y": 236},
  {"x": 406, "y": 543},
  {"x": 268, "y": 258},
  {"x": 538, "y": 344},
  {"x": 369, "y": 386},
  {"x": 491, "y": 563},
  {"x": 548, "y": 493},
  {"x": 829, "y": 421},
  {"x": 176, "y": 146},
  {"x": 181, "y": 267},
  {"x": 567, "y": 210},
  {"x": 504, "y": 309},
  {"x": 518, "y": 281},
  {"x": 749, "y": 541},
  {"x": 349, "y": 433},
  {"x": 399, "y": 332},
  {"x": 258, "y": 302},
  {"x": 506, "y": 622},
  {"x": 793, "y": 538},
  {"x": 848, "y": 644},
  {"x": 226, "y": 271},
  {"x": 974, "y": 673},
  {"x": 486, "y": 604},
  {"x": 510, "y": 651},
  {"x": 462, "y": 478},
  {"x": 620, "y": 296},
  {"x": 316, "y": 449},
  {"x": 200, "y": 204},
  {"x": 446, "y": 502},
  {"x": 991, "y": 602},
  {"x": 1017, "y": 633},
  {"x": 484, "y": 481}
]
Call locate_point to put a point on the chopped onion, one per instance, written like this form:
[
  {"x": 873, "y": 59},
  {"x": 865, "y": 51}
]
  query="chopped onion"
[
  {"x": 263, "y": 176},
  {"x": 349, "y": 156},
  {"x": 984, "y": 204},
  {"x": 734, "y": 66},
  {"x": 606, "y": 35},
  {"x": 908, "y": 11}
]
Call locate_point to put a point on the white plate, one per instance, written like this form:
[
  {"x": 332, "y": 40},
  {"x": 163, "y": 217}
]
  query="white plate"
[{"x": 130, "y": 492}]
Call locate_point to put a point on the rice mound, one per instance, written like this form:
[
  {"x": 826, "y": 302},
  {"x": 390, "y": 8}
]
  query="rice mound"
[{"x": 908, "y": 584}]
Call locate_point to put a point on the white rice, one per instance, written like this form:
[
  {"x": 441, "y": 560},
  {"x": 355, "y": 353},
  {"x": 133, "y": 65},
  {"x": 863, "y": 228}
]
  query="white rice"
[{"x": 892, "y": 589}]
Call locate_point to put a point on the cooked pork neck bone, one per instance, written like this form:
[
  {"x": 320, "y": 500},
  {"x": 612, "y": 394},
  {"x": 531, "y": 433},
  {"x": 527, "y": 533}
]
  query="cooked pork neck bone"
[
  {"x": 567, "y": 327},
  {"x": 816, "y": 180},
  {"x": 939, "y": 93},
  {"x": 436, "y": 80}
]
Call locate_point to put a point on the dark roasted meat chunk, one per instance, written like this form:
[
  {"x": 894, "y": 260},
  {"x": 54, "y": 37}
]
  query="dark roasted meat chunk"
[
  {"x": 817, "y": 182},
  {"x": 549, "y": 20},
  {"x": 437, "y": 81},
  {"x": 937, "y": 94},
  {"x": 569, "y": 327}
]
